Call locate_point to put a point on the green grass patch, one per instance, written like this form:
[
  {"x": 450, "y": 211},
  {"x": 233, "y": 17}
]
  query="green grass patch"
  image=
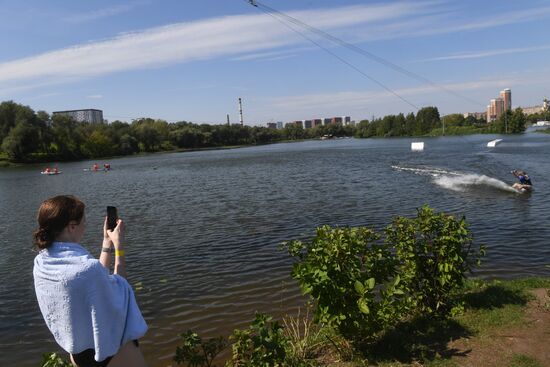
[
  {"x": 496, "y": 304},
  {"x": 521, "y": 360},
  {"x": 489, "y": 305}
]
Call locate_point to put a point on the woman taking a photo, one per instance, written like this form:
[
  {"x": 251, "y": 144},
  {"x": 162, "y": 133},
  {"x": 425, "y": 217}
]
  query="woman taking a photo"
[{"x": 92, "y": 314}]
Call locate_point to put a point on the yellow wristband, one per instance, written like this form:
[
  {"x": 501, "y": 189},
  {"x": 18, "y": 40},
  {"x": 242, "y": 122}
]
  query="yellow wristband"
[{"x": 119, "y": 252}]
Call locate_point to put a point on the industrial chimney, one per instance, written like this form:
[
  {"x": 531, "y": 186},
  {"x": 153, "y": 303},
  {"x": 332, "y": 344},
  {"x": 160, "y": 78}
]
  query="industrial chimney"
[{"x": 241, "y": 111}]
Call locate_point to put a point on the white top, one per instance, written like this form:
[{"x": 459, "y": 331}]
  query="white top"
[{"x": 83, "y": 305}]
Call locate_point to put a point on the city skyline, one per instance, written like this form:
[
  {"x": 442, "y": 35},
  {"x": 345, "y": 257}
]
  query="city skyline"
[{"x": 192, "y": 61}]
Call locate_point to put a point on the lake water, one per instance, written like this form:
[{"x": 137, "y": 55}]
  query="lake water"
[{"x": 203, "y": 228}]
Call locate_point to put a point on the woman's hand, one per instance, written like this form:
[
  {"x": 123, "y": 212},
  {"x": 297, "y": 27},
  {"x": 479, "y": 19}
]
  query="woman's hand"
[
  {"x": 106, "y": 239},
  {"x": 105, "y": 235},
  {"x": 117, "y": 234}
]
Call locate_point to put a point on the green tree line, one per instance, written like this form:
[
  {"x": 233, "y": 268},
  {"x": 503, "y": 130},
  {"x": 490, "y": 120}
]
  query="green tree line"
[
  {"x": 427, "y": 122},
  {"x": 29, "y": 136}
]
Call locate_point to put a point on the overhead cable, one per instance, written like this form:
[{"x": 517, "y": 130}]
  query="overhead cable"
[{"x": 271, "y": 11}]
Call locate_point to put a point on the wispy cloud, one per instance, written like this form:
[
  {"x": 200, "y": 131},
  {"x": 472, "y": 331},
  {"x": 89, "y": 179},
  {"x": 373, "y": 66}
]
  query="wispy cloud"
[
  {"x": 496, "y": 20},
  {"x": 272, "y": 55},
  {"x": 350, "y": 100},
  {"x": 231, "y": 36},
  {"x": 102, "y": 13},
  {"x": 183, "y": 42},
  {"x": 43, "y": 96},
  {"x": 440, "y": 19},
  {"x": 489, "y": 53},
  {"x": 95, "y": 96}
]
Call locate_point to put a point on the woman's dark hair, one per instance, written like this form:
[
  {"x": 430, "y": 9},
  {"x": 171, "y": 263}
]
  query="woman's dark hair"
[{"x": 54, "y": 215}]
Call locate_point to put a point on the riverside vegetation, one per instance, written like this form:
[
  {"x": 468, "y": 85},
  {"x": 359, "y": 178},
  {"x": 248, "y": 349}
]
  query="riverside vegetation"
[
  {"x": 392, "y": 298},
  {"x": 29, "y": 136}
]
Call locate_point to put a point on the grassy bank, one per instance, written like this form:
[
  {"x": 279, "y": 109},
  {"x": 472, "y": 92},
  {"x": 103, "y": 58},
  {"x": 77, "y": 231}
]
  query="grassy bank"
[
  {"x": 504, "y": 323},
  {"x": 49, "y": 160},
  {"x": 4, "y": 161}
]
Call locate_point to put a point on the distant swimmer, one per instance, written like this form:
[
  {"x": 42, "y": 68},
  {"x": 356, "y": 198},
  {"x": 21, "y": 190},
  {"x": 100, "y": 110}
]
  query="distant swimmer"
[{"x": 525, "y": 183}]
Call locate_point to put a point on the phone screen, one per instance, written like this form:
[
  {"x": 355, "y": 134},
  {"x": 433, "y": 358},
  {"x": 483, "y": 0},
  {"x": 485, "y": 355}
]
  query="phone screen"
[{"x": 112, "y": 217}]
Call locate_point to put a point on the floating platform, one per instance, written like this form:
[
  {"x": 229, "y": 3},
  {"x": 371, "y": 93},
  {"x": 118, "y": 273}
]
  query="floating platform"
[
  {"x": 417, "y": 146},
  {"x": 493, "y": 143}
]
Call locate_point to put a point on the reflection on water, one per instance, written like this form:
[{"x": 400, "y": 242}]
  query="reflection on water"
[{"x": 204, "y": 227}]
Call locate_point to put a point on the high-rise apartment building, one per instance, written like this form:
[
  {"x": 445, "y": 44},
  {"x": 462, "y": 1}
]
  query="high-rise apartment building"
[
  {"x": 90, "y": 115},
  {"x": 497, "y": 108},
  {"x": 506, "y": 96},
  {"x": 498, "y": 105}
]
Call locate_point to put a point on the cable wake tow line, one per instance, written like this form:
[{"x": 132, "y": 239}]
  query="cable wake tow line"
[
  {"x": 254, "y": 3},
  {"x": 269, "y": 10}
]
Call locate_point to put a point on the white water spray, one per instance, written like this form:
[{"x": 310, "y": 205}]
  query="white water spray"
[{"x": 458, "y": 181}]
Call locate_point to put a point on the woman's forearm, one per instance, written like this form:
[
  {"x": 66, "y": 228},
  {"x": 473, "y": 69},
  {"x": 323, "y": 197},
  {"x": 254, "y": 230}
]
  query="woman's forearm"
[
  {"x": 105, "y": 256},
  {"x": 120, "y": 262}
]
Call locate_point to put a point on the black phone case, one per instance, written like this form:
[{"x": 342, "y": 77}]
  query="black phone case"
[{"x": 111, "y": 217}]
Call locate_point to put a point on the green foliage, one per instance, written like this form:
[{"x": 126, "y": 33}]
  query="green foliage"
[
  {"x": 196, "y": 353},
  {"x": 263, "y": 344},
  {"x": 67, "y": 137},
  {"x": 28, "y": 136},
  {"x": 54, "y": 360},
  {"x": 98, "y": 144},
  {"x": 427, "y": 118},
  {"x": 305, "y": 338},
  {"x": 294, "y": 132},
  {"x": 363, "y": 285},
  {"x": 511, "y": 122},
  {"x": 10, "y": 112},
  {"x": 455, "y": 119},
  {"x": 21, "y": 141},
  {"x": 518, "y": 122},
  {"x": 459, "y": 130},
  {"x": 435, "y": 251},
  {"x": 352, "y": 277}
]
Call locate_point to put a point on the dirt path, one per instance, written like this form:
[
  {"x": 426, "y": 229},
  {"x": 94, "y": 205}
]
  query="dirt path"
[{"x": 532, "y": 339}]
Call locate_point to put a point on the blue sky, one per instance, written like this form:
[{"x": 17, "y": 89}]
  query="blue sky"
[{"x": 191, "y": 60}]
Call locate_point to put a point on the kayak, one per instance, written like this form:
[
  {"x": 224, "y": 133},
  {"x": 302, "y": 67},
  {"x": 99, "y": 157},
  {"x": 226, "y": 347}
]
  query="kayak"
[{"x": 50, "y": 173}]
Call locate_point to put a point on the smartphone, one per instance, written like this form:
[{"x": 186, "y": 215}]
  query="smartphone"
[{"x": 112, "y": 217}]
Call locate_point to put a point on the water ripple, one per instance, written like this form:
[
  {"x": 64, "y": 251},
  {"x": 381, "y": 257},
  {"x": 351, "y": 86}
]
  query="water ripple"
[{"x": 204, "y": 228}]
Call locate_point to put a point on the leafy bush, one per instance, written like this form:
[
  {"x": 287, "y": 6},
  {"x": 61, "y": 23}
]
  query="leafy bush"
[
  {"x": 435, "y": 251},
  {"x": 197, "y": 353},
  {"x": 353, "y": 278},
  {"x": 54, "y": 360},
  {"x": 261, "y": 345},
  {"x": 363, "y": 285}
]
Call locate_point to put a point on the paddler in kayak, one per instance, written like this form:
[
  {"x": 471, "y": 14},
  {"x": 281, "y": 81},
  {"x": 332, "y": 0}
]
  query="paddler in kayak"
[{"x": 524, "y": 183}]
